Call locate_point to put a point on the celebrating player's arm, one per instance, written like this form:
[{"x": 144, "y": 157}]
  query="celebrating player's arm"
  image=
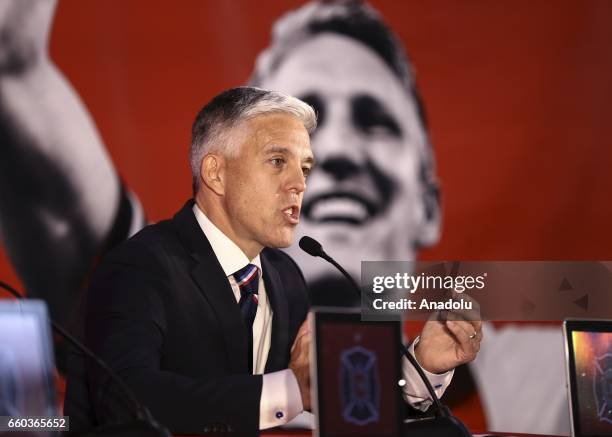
[{"x": 59, "y": 193}]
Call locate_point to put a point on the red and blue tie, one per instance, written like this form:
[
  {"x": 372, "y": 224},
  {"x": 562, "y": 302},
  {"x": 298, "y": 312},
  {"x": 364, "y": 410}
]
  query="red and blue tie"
[{"x": 247, "y": 279}]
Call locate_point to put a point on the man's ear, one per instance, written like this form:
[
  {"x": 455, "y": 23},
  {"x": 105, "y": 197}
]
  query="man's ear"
[
  {"x": 431, "y": 219},
  {"x": 212, "y": 173}
]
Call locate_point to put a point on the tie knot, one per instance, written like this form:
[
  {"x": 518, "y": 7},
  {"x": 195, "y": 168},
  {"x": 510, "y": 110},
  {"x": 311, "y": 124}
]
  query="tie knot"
[{"x": 248, "y": 277}]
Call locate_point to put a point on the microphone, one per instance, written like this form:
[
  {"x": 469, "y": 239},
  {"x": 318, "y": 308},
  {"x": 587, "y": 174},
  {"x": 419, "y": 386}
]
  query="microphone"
[
  {"x": 314, "y": 248},
  {"x": 311, "y": 246},
  {"x": 448, "y": 424},
  {"x": 143, "y": 415}
]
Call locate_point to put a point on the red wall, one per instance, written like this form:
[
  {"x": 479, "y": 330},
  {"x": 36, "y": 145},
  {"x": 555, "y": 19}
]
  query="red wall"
[
  {"x": 518, "y": 95},
  {"x": 517, "y": 92}
]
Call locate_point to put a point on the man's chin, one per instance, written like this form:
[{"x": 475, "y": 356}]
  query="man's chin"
[
  {"x": 335, "y": 233},
  {"x": 282, "y": 241}
]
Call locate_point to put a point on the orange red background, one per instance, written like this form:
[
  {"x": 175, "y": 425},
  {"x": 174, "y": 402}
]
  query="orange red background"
[
  {"x": 518, "y": 93},
  {"x": 518, "y": 96}
]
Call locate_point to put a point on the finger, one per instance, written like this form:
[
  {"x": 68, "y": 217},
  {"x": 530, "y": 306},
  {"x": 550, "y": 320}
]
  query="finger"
[
  {"x": 462, "y": 332},
  {"x": 474, "y": 332},
  {"x": 477, "y": 324},
  {"x": 471, "y": 325},
  {"x": 305, "y": 326},
  {"x": 298, "y": 347},
  {"x": 300, "y": 334},
  {"x": 469, "y": 339},
  {"x": 303, "y": 351}
]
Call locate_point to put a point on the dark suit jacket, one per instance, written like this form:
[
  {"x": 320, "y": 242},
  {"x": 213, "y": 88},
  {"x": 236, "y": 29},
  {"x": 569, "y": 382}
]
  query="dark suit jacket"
[{"x": 162, "y": 314}]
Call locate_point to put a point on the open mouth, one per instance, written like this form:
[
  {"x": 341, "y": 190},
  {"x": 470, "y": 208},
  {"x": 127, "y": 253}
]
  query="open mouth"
[
  {"x": 292, "y": 213},
  {"x": 341, "y": 206}
]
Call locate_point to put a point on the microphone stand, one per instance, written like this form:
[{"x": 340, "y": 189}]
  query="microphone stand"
[{"x": 444, "y": 424}]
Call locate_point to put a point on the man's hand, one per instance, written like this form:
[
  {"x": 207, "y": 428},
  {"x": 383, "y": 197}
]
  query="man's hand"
[
  {"x": 447, "y": 343},
  {"x": 300, "y": 361}
]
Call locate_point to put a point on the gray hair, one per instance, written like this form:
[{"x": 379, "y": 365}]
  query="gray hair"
[{"x": 215, "y": 120}]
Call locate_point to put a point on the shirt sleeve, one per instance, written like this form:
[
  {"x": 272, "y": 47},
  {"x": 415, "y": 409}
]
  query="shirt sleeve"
[
  {"x": 415, "y": 392},
  {"x": 280, "y": 399}
]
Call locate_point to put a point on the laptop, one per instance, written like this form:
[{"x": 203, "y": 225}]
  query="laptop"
[
  {"x": 26, "y": 360},
  {"x": 588, "y": 351},
  {"x": 355, "y": 375}
]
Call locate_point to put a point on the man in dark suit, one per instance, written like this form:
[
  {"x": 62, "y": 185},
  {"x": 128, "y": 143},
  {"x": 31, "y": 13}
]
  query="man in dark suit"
[
  {"x": 169, "y": 308},
  {"x": 201, "y": 315}
]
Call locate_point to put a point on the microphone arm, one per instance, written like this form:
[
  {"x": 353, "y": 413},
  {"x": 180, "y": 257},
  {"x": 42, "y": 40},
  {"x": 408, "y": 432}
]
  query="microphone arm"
[
  {"x": 333, "y": 262},
  {"x": 314, "y": 248},
  {"x": 142, "y": 412}
]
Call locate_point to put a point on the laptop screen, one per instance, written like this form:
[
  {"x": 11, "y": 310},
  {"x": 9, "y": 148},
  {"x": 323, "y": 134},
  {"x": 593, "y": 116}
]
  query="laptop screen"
[
  {"x": 357, "y": 372},
  {"x": 26, "y": 360},
  {"x": 589, "y": 365}
]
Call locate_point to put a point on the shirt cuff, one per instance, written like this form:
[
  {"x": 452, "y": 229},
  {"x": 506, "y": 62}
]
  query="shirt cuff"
[
  {"x": 280, "y": 399},
  {"x": 415, "y": 391}
]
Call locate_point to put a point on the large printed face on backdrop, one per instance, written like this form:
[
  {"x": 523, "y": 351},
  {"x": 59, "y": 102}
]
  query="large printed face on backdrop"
[{"x": 363, "y": 199}]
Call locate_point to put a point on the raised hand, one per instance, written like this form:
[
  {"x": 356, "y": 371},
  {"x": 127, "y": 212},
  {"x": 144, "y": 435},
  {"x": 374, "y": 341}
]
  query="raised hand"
[{"x": 449, "y": 339}]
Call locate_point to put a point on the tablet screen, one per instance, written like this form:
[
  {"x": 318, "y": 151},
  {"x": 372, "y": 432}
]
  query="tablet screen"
[
  {"x": 358, "y": 368},
  {"x": 590, "y": 372}
]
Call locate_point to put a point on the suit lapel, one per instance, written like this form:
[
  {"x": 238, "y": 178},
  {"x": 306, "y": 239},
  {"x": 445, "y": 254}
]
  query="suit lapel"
[
  {"x": 214, "y": 286},
  {"x": 280, "y": 318}
]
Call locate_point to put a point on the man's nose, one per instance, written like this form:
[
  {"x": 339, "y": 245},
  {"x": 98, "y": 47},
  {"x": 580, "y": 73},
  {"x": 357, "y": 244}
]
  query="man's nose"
[{"x": 297, "y": 181}]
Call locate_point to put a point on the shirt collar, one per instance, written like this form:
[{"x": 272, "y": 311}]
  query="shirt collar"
[{"x": 230, "y": 256}]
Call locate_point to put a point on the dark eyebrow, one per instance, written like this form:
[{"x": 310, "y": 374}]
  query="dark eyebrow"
[
  {"x": 276, "y": 149},
  {"x": 369, "y": 113}
]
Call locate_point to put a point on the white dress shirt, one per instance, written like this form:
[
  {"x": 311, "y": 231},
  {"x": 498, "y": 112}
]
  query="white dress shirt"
[{"x": 280, "y": 395}]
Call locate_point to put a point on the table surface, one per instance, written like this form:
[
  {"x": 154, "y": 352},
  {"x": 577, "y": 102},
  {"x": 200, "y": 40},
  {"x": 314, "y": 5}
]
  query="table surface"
[{"x": 308, "y": 433}]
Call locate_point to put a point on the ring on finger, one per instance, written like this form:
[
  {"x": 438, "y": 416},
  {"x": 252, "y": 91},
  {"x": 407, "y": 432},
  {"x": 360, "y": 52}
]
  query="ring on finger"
[{"x": 474, "y": 335}]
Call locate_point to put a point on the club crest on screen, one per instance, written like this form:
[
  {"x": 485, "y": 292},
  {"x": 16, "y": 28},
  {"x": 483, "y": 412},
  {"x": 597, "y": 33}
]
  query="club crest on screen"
[{"x": 359, "y": 386}]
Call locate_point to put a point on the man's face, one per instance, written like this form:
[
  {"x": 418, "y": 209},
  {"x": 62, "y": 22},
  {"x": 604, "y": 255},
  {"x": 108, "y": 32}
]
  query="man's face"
[
  {"x": 264, "y": 183},
  {"x": 364, "y": 197}
]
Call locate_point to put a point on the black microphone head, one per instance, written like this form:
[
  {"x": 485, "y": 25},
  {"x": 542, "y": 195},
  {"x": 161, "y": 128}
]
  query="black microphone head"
[{"x": 311, "y": 246}]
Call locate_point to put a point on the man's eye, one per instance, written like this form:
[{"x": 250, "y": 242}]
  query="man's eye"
[
  {"x": 306, "y": 171},
  {"x": 277, "y": 162}
]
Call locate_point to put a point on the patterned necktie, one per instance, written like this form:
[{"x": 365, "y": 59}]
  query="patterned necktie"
[{"x": 247, "y": 279}]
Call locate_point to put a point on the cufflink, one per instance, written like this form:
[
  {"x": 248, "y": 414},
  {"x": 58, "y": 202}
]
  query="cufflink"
[{"x": 279, "y": 415}]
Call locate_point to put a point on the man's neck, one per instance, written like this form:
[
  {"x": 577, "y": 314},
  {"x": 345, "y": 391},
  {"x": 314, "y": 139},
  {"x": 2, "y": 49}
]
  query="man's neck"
[{"x": 219, "y": 217}]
